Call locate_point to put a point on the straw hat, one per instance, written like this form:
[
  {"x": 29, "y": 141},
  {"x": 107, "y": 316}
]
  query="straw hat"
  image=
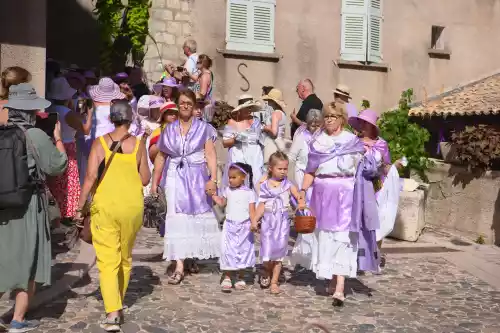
[
  {"x": 343, "y": 90},
  {"x": 252, "y": 106},
  {"x": 60, "y": 89},
  {"x": 276, "y": 96},
  {"x": 105, "y": 91}
]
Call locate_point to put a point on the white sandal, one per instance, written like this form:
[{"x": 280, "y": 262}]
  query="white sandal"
[
  {"x": 240, "y": 285},
  {"x": 226, "y": 285}
]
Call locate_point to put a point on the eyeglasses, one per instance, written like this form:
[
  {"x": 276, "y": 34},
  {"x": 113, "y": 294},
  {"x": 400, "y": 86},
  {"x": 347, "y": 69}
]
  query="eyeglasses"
[
  {"x": 187, "y": 105},
  {"x": 331, "y": 117}
]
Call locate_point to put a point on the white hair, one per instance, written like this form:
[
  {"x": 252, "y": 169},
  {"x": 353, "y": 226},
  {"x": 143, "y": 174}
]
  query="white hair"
[
  {"x": 191, "y": 45},
  {"x": 314, "y": 115}
]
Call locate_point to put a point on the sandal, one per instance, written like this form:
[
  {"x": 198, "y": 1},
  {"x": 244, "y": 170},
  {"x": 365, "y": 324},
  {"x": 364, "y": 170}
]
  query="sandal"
[
  {"x": 275, "y": 289},
  {"x": 265, "y": 282},
  {"x": 240, "y": 285},
  {"x": 176, "y": 278},
  {"x": 226, "y": 285},
  {"x": 338, "y": 299}
]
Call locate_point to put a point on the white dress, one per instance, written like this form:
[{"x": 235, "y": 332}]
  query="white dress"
[
  {"x": 333, "y": 253},
  {"x": 302, "y": 251},
  {"x": 247, "y": 149},
  {"x": 188, "y": 236}
]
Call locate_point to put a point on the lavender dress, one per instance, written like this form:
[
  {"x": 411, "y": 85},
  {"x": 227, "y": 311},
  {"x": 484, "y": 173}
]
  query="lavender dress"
[
  {"x": 192, "y": 231},
  {"x": 238, "y": 250},
  {"x": 336, "y": 247},
  {"x": 275, "y": 227}
]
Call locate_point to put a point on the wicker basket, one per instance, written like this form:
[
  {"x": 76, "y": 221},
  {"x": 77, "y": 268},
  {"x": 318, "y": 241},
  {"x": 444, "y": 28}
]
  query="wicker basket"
[{"x": 304, "y": 224}]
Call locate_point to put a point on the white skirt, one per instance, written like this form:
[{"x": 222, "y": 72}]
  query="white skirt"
[
  {"x": 328, "y": 253},
  {"x": 188, "y": 236}
]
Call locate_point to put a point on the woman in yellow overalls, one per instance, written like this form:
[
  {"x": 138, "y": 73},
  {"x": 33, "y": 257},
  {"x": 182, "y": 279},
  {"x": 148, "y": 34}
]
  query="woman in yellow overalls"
[{"x": 117, "y": 208}]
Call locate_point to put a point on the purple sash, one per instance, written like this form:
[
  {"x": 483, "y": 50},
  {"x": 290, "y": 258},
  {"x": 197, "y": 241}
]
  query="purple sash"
[
  {"x": 191, "y": 175},
  {"x": 316, "y": 158}
]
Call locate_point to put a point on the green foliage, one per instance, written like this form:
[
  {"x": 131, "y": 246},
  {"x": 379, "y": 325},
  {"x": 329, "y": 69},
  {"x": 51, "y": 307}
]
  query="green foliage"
[
  {"x": 477, "y": 147},
  {"x": 404, "y": 137},
  {"x": 123, "y": 31},
  {"x": 480, "y": 240},
  {"x": 365, "y": 104}
]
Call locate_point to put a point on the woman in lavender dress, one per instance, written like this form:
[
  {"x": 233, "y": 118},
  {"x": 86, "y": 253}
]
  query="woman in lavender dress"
[
  {"x": 242, "y": 136},
  {"x": 387, "y": 184},
  {"x": 335, "y": 165},
  {"x": 192, "y": 230},
  {"x": 298, "y": 156}
]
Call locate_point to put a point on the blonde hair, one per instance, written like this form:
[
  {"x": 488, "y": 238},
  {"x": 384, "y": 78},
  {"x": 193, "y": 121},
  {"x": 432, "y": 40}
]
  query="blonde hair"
[
  {"x": 274, "y": 159},
  {"x": 336, "y": 110},
  {"x": 12, "y": 76}
]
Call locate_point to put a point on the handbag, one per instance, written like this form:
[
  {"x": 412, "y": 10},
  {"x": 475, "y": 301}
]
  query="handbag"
[
  {"x": 155, "y": 209},
  {"x": 85, "y": 232}
]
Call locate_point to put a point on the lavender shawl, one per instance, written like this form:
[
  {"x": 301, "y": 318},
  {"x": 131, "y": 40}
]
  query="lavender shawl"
[{"x": 191, "y": 175}]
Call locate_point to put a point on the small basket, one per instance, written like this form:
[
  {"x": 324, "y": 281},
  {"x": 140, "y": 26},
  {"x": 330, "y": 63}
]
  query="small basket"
[{"x": 304, "y": 224}]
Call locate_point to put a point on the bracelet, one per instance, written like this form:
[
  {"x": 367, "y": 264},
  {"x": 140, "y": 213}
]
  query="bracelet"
[{"x": 215, "y": 181}]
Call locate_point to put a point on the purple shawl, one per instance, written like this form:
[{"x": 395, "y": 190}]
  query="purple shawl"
[
  {"x": 365, "y": 219},
  {"x": 191, "y": 175},
  {"x": 316, "y": 158},
  {"x": 266, "y": 193}
]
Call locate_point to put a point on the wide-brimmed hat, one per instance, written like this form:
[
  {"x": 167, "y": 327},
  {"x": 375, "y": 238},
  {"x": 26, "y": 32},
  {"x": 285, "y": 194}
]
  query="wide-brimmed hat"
[
  {"x": 276, "y": 96},
  {"x": 147, "y": 102},
  {"x": 76, "y": 76},
  {"x": 251, "y": 105},
  {"x": 368, "y": 116},
  {"x": 23, "y": 97},
  {"x": 105, "y": 91},
  {"x": 244, "y": 98},
  {"x": 169, "y": 82},
  {"x": 168, "y": 106},
  {"x": 60, "y": 89},
  {"x": 343, "y": 90}
]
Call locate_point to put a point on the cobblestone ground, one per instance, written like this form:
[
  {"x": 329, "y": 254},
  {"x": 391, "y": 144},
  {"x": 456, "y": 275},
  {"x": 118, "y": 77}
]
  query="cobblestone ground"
[
  {"x": 62, "y": 258},
  {"x": 414, "y": 294}
]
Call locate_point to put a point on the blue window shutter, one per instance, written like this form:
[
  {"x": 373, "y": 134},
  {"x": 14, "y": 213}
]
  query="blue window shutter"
[
  {"x": 375, "y": 31},
  {"x": 354, "y": 30}
]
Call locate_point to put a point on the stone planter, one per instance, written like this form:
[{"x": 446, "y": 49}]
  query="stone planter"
[{"x": 410, "y": 220}]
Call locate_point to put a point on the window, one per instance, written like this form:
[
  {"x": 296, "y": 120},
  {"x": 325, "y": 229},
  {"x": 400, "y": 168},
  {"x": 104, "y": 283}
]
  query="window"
[
  {"x": 361, "y": 38},
  {"x": 437, "y": 39},
  {"x": 250, "y": 25}
]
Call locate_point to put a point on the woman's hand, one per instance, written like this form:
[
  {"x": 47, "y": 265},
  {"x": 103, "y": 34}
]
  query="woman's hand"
[
  {"x": 78, "y": 215},
  {"x": 210, "y": 188},
  {"x": 57, "y": 131}
]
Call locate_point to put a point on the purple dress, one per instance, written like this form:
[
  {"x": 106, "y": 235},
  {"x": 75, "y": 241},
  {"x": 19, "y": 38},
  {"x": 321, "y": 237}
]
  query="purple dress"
[
  {"x": 237, "y": 244},
  {"x": 191, "y": 228},
  {"x": 275, "y": 227}
]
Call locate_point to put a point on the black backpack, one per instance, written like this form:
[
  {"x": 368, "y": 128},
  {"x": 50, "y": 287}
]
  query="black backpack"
[{"x": 16, "y": 184}]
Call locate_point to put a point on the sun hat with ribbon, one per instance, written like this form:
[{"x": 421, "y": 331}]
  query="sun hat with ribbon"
[
  {"x": 105, "y": 91},
  {"x": 343, "y": 90},
  {"x": 148, "y": 102},
  {"x": 368, "y": 116},
  {"x": 60, "y": 89},
  {"x": 23, "y": 97},
  {"x": 276, "y": 96},
  {"x": 168, "y": 106}
]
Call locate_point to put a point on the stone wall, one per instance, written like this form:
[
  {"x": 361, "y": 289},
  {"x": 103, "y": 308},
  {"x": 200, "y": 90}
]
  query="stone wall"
[
  {"x": 463, "y": 202},
  {"x": 170, "y": 24}
]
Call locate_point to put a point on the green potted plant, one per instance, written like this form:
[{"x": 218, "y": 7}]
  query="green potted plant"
[{"x": 405, "y": 139}]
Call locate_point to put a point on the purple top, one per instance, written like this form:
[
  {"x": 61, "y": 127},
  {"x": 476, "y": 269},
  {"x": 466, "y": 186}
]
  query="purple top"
[{"x": 192, "y": 173}]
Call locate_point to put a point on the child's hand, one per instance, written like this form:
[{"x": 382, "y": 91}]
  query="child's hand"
[{"x": 301, "y": 205}]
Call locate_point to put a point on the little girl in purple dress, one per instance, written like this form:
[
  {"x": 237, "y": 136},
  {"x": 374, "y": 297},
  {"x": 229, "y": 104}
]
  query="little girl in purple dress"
[
  {"x": 274, "y": 202},
  {"x": 237, "y": 246}
]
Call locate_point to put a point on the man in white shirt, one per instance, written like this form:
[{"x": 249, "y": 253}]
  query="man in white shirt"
[{"x": 189, "y": 49}]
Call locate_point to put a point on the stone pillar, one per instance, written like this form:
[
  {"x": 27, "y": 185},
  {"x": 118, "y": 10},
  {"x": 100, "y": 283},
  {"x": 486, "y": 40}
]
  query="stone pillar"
[
  {"x": 23, "y": 37},
  {"x": 170, "y": 24}
]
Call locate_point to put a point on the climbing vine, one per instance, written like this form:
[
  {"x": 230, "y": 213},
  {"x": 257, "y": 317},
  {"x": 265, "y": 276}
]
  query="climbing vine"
[{"x": 123, "y": 30}]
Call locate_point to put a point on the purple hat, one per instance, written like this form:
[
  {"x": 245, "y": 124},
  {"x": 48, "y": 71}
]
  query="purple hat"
[
  {"x": 75, "y": 75},
  {"x": 169, "y": 82},
  {"x": 368, "y": 116},
  {"x": 105, "y": 91},
  {"x": 120, "y": 77}
]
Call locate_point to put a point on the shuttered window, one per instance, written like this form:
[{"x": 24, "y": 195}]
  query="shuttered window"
[
  {"x": 250, "y": 25},
  {"x": 361, "y": 38}
]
